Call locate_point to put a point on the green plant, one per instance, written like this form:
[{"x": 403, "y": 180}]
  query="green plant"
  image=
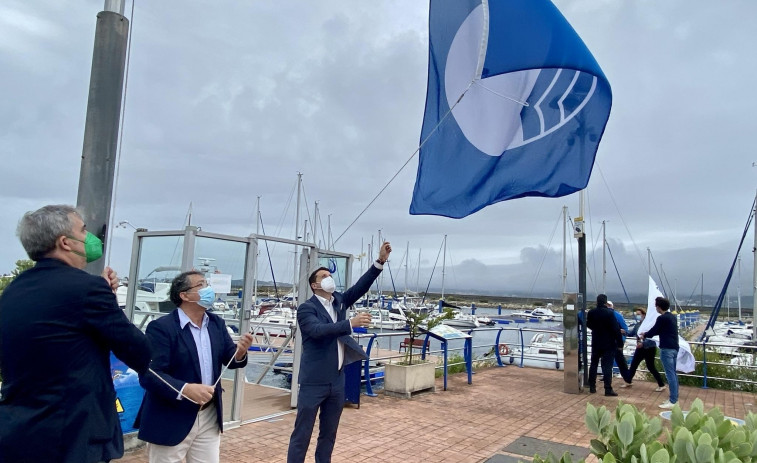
[
  {"x": 21, "y": 266},
  {"x": 697, "y": 437},
  {"x": 700, "y": 437},
  {"x": 719, "y": 368},
  {"x": 414, "y": 322},
  {"x": 624, "y": 436},
  {"x": 458, "y": 367}
]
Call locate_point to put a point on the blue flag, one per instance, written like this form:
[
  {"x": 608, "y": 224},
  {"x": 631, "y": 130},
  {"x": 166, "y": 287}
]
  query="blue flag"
[{"x": 529, "y": 106}]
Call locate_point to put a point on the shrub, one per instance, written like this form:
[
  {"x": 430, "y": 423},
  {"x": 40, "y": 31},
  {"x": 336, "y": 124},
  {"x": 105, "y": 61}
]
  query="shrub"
[
  {"x": 718, "y": 366},
  {"x": 697, "y": 437}
]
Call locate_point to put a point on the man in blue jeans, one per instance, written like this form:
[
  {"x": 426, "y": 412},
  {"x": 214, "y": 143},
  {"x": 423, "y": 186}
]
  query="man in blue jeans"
[{"x": 666, "y": 326}]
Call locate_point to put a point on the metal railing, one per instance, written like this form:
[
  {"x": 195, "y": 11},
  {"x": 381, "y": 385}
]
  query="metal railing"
[{"x": 467, "y": 350}]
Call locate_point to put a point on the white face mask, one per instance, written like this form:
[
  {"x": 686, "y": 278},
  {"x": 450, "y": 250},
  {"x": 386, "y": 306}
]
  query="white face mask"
[{"x": 328, "y": 284}]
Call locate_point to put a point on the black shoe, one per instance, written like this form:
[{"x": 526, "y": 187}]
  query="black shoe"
[
  {"x": 593, "y": 390},
  {"x": 611, "y": 393}
]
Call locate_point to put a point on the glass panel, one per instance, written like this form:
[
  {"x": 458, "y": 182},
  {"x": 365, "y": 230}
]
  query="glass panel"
[
  {"x": 338, "y": 268},
  {"x": 159, "y": 262},
  {"x": 223, "y": 263}
]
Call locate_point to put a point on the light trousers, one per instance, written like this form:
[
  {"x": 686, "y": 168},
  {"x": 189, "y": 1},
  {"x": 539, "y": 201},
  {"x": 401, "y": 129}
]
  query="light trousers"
[{"x": 202, "y": 444}]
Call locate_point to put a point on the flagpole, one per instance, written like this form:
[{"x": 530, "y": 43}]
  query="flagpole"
[
  {"x": 581, "y": 236},
  {"x": 754, "y": 276},
  {"x": 564, "y": 242}
]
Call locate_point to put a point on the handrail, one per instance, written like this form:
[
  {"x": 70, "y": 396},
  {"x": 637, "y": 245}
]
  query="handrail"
[
  {"x": 367, "y": 372},
  {"x": 468, "y": 348}
]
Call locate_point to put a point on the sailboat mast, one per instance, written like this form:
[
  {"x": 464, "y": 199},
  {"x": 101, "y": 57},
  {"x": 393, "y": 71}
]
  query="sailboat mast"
[
  {"x": 407, "y": 261},
  {"x": 257, "y": 232},
  {"x": 297, "y": 231},
  {"x": 315, "y": 223},
  {"x": 328, "y": 238},
  {"x": 418, "y": 274},
  {"x": 754, "y": 276},
  {"x": 444, "y": 263},
  {"x": 738, "y": 288}
]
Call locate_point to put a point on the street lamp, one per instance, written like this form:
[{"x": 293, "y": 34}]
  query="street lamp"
[{"x": 124, "y": 223}]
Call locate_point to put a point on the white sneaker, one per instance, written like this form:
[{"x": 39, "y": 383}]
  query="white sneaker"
[
  {"x": 660, "y": 388},
  {"x": 626, "y": 385},
  {"x": 667, "y": 404}
]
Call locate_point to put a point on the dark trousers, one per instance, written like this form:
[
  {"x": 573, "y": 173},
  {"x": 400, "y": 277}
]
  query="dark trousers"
[
  {"x": 622, "y": 363},
  {"x": 648, "y": 356},
  {"x": 606, "y": 358},
  {"x": 329, "y": 399}
]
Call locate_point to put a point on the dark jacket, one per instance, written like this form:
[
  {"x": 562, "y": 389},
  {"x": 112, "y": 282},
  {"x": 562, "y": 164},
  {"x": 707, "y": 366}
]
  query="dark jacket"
[
  {"x": 666, "y": 327},
  {"x": 58, "y": 325},
  {"x": 162, "y": 418},
  {"x": 320, "y": 358},
  {"x": 647, "y": 343},
  {"x": 605, "y": 331}
]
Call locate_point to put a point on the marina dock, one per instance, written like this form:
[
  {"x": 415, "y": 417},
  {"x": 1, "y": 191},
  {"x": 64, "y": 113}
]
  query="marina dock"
[{"x": 506, "y": 415}]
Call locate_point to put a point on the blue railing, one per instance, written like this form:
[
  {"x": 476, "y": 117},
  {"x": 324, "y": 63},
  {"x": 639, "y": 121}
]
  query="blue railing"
[{"x": 467, "y": 350}]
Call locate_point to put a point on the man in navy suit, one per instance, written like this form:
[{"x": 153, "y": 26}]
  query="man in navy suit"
[
  {"x": 326, "y": 347},
  {"x": 605, "y": 342},
  {"x": 58, "y": 325},
  {"x": 182, "y": 413}
]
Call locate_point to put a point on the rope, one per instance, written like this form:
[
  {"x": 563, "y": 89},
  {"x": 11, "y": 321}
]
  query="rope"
[
  {"x": 449, "y": 111},
  {"x": 544, "y": 256},
  {"x": 618, "y": 272},
  {"x": 622, "y": 220},
  {"x": 719, "y": 301},
  {"x": 432, "y": 273},
  {"x": 120, "y": 138}
]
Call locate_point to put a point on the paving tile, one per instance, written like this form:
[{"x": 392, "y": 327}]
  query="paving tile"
[{"x": 466, "y": 423}]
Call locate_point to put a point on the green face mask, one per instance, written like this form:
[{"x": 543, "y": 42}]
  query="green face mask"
[{"x": 93, "y": 247}]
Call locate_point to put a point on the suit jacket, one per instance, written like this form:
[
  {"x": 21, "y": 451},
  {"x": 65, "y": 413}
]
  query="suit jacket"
[
  {"x": 320, "y": 357},
  {"x": 58, "y": 325},
  {"x": 162, "y": 418},
  {"x": 605, "y": 331}
]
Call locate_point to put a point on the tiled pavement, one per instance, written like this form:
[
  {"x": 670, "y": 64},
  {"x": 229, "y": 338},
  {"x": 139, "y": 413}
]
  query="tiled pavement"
[{"x": 466, "y": 423}]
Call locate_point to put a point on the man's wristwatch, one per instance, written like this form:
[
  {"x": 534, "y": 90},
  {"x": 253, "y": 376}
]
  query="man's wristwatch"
[{"x": 380, "y": 262}]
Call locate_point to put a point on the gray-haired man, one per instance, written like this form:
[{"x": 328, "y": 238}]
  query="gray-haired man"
[{"x": 62, "y": 410}]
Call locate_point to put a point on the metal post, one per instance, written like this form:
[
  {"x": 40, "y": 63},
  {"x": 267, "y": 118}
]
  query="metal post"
[
  {"x": 116, "y": 6},
  {"x": 564, "y": 246},
  {"x": 581, "y": 236},
  {"x": 604, "y": 258},
  {"x": 106, "y": 83}
]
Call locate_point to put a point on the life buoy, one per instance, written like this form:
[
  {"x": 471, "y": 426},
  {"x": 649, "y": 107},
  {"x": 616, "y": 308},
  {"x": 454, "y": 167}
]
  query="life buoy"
[{"x": 504, "y": 349}]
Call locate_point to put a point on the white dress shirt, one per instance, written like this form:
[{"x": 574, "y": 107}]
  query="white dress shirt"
[
  {"x": 328, "y": 305},
  {"x": 202, "y": 341}
]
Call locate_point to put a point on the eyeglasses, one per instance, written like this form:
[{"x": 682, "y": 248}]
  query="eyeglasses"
[{"x": 201, "y": 285}]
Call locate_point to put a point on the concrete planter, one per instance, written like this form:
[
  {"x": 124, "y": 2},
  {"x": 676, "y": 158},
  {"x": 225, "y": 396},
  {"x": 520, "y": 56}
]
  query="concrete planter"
[{"x": 405, "y": 380}]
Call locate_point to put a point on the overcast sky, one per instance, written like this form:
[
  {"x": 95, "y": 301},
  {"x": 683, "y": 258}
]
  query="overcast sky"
[{"x": 228, "y": 100}]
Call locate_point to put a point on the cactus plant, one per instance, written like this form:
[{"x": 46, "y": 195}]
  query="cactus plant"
[{"x": 630, "y": 436}]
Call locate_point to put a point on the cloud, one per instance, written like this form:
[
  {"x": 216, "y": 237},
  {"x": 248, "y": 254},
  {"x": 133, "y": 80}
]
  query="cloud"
[{"x": 227, "y": 103}]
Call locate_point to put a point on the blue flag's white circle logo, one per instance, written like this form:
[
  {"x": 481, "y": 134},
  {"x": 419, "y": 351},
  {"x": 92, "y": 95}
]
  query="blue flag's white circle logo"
[{"x": 510, "y": 110}]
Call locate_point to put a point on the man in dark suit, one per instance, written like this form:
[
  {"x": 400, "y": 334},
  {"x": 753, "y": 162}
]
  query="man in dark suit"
[
  {"x": 326, "y": 347},
  {"x": 605, "y": 341},
  {"x": 182, "y": 413},
  {"x": 58, "y": 325}
]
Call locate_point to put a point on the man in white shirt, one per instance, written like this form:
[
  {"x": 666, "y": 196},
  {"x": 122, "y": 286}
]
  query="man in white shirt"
[{"x": 326, "y": 347}]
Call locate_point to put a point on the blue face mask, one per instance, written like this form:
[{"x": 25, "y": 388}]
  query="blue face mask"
[{"x": 207, "y": 297}]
